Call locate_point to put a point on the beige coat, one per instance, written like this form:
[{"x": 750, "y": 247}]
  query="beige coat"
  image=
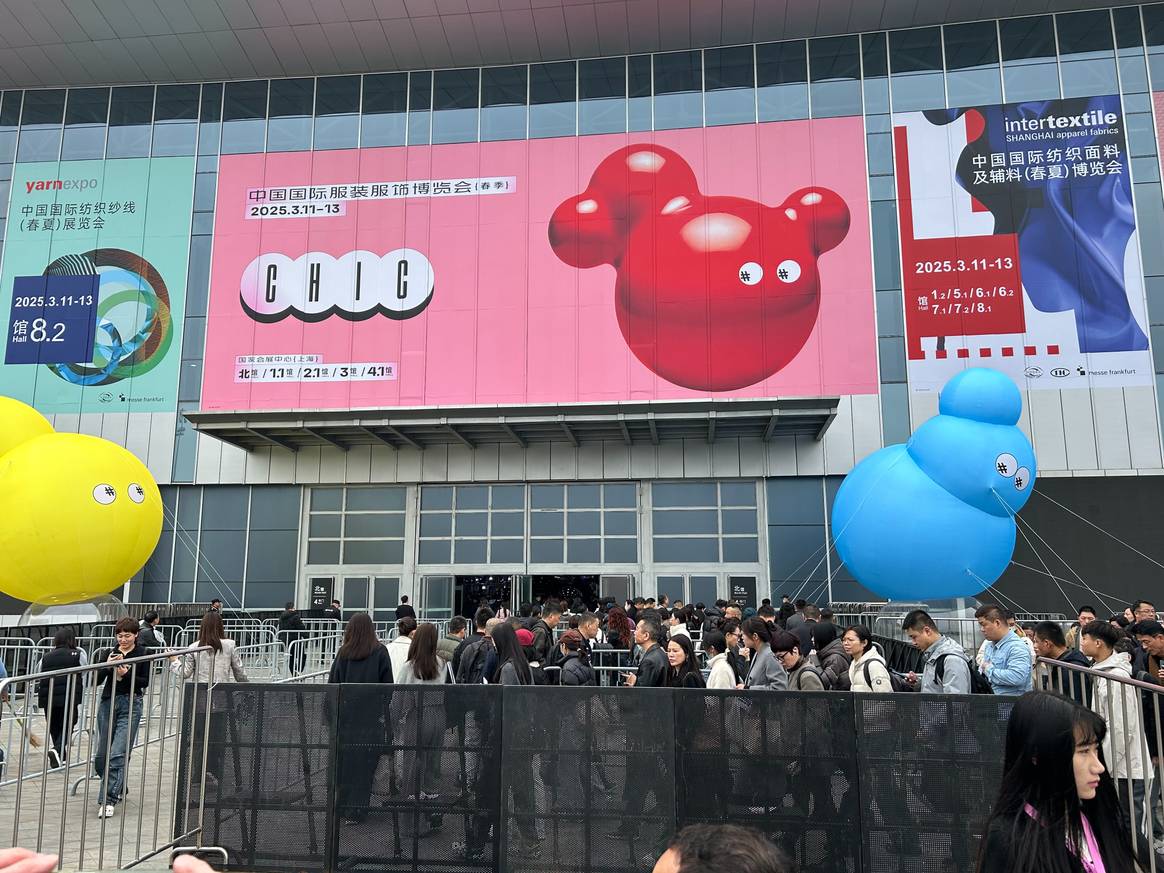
[{"x": 224, "y": 666}]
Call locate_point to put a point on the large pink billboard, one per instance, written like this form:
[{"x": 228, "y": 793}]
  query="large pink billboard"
[{"x": 711, "y": 262}]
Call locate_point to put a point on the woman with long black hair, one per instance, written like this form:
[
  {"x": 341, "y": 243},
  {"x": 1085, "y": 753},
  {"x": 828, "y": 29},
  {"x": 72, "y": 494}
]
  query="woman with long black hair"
[
  {"x": 363, "y": 660},
  {"x": 512, "y": 665},
  {"x": 1057, "y": 809},
  {"x": 683, "y": 671}
]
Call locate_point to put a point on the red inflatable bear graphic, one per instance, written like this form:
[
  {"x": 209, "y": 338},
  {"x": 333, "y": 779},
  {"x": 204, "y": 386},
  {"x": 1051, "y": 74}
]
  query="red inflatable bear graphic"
[{"x": 712, "y": 293}]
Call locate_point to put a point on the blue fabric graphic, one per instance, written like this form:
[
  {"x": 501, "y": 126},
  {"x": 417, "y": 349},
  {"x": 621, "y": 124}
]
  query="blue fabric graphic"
[{"x": 1072, "y": 232}]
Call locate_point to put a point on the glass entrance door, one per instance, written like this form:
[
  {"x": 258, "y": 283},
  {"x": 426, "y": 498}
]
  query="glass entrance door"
[{"x": 436, "y": 596}]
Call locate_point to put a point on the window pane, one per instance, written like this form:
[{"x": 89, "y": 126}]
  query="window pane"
[
  {"x": 86, "y": 113},
  {"x": 683, "y": 494},
  {"x": 620, "y": 523},
  {"x": 619, "y": 551},
  {"x": 290, "y": 112},
  {"x": 176, "y": 103},
  {"x": 972, "y": 59},
  {"x": 678, "y": 90},
  {"x": 621, "y": 495},
  {"x": 436, "y": 524},
  {"x": 583, "y": 496},
  {"x": 469, "y": 552},
  {"x": 729, "y": 76},
  {"x": 419, "y": 108},
  {"x": 915, "y": 59},
  {"x": 473, "y": 497},
  {"x": 507, "y": 524},
  {"x": 436, "y": 497},
  {"x": 326, "y": 499},
  {"x": 739, "y": 521},
  {"x": 698, "y": 521},
  {"x": 638, "y": 86},
  {"x": 583, "y": 524},
  {"x": 455, "y": 99},
  {"x": 1028, "y": 54},
  {"x": 547, "y": 496},
  {"x": 583, "y": 551},
  {"x": 553, "y": 92},
  {"x": 472, "y": 524},
  {"x": 671, "y": 586},
  {"x": 275, "y": 507},
  {"x": 434, "y": 551},
  {"x": 382, "y": 499},
  {"x": 210, "y": 114},
  {"x": 743, "y": 549},
  {"x": 40, "y": 125},
  {"x": 388, "y": 525},
  {"x": 224, "y": 508},
  {"x": 1087, "y": 54},
  {"x": 503, "y": 102},
  {"x": 385, "y": 106},
  {"x": 703, "y": 589},
  {"x": 545, "y": 551},
  {"x": 670, "y": 550},
  {"x": 244, "y": 112},
  {"x": 546, "y": 523},
  {"x": 335, "y": 95},
  {"x": 323, "y": 552},
  {"x": 782, "y": 80},
  {"x": 602, "y": 86},
  {"x": 835, "y": 67},
  {"x": 272, "y": 555},
  {"x": 737, "y": 494},
  {"x": 507, "y": 497},
  {"x": 506, "y": 552},
  {"x": 324, "y": 526},
  {"x": 374, "y": 552}
]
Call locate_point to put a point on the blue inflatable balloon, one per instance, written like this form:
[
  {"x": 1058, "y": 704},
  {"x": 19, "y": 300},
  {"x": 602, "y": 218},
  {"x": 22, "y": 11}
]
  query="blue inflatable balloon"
[{"x": 934, "y": 518}]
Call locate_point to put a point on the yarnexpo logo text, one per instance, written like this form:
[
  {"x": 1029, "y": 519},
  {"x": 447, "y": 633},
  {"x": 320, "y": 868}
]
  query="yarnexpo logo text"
[{"x": 60, "y": 185}]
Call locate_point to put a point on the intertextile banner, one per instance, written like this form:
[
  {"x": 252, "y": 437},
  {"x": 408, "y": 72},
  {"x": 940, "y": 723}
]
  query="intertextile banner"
[
  {"x": 1019, "y": 245},
  {"x": 93, "y": 287},
  {"x": 728, "y": 261}
]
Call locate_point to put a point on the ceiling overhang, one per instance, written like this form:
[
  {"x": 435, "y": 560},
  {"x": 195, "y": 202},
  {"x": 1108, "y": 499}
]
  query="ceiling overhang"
[
  {"x": 47, "y": 43},
  {"x": 422, "y": 427}
]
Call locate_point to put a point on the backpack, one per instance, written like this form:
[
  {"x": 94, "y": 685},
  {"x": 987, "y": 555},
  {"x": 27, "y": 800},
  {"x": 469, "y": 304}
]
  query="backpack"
[
  {"x": 896, "y": 680},
  {"x": 471, "y": 670},
  {"x": 811, "y": 668},
  {"x": 979, "y": 684}
]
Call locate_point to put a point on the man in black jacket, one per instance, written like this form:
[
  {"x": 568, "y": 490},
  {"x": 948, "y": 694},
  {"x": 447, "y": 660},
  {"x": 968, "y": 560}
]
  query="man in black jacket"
[
  {"x": 480, "y": 619},
  {"x": 404, "y": 610},
  {"x": 291, "y": 628},
  {"x": 333, "y": 612},
  {"x": 118, "y": 715},
  {"x": 642, "y": 766},
  {"x": 148, "y": 635},
  {"x": 543, "y": 633}
]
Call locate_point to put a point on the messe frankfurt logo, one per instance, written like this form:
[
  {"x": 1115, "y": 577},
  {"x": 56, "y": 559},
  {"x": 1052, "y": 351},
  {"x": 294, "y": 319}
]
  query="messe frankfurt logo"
[{"x": 354, "y": 286}]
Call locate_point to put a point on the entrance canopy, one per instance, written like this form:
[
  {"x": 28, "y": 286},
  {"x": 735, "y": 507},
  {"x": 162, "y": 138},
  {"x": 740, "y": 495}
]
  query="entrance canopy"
[{"x": 521, "y": 425}]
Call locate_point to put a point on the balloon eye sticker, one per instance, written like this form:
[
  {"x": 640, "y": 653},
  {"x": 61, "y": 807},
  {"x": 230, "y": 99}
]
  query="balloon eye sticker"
[
  {"x": 104, "y": 494},
  {"x": 136, "y": 493},
  {"x": 1005, "y": 464},
  {"x": 1022, "y": 478}
]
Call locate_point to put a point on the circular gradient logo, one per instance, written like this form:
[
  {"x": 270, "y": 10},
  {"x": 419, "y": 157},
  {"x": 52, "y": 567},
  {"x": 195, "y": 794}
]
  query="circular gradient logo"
[{"x": 134, "y": 324}]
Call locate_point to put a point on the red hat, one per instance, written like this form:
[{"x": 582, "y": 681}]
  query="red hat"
[{"x": 524, "y": 637}]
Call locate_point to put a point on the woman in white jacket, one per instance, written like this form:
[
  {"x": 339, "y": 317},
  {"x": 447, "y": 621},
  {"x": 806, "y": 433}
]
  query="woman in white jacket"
[
  {"x": 715, "y": 647},
  {"x": 867, "y": 672}
]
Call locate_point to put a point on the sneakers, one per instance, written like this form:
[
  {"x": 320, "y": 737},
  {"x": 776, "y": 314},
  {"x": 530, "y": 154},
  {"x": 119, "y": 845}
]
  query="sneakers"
[
  {"x": 105, "y": 810},
  {"x": 54, "y": 759}
]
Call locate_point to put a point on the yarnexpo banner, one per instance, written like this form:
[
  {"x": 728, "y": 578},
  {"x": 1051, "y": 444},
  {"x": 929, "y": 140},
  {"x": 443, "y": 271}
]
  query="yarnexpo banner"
[
  {"x": 92, "y": 290},
  {"x": 726, "y": 261},
  {"x": 1019, "y": 244}
]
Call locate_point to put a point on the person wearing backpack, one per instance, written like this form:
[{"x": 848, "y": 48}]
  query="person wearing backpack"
[
  {"x": 473, "y": 662},
  {"x": 802, "y": 675},
  {"x": 868, "y": 672},
  {"x": 947, "y": 669}
]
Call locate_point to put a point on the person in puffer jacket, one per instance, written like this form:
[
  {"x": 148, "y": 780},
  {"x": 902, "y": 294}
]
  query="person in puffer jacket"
[
  {"x": 830, "y": 657},
  {"x": 868, "y": 671},
  {"x": 575, "y": 666}
]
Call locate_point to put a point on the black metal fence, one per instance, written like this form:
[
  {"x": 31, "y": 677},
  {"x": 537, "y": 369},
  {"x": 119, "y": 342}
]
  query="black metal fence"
[{"x": 461, "y": 778}]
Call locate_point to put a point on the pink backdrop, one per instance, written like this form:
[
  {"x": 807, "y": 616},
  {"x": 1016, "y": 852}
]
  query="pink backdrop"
[{"x": 509, "y": 321}]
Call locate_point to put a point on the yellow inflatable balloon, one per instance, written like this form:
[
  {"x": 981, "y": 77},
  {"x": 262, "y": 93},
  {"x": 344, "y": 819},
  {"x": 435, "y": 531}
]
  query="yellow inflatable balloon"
[
  {"x": 79, "y": 516},
  {"x": 19, "y": 423}
]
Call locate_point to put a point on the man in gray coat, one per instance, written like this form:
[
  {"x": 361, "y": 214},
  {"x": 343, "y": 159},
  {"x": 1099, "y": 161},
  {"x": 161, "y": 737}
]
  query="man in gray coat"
[{"x": 947, "y": 670}]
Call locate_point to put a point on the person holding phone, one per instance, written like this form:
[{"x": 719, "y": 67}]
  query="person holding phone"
[{"x": 119, "y": 714}]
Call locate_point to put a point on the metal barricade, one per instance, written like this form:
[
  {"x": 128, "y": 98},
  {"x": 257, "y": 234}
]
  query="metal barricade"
[
  {"x": 311, "y": 654},
  {"x": 79, "y": 750},
  {"x": 244, "y": 637},
  {"x": 1132, "y": 709}
]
